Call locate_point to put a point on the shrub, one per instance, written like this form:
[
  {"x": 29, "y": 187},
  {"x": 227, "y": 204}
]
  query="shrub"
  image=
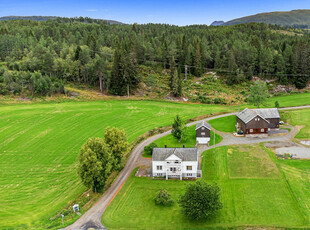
[
  {"x": 163, "y": 198},
  {"x": 149, "y": 148},
  {"x": 276, "y": 104}
]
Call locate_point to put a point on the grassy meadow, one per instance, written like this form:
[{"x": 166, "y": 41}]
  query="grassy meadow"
[
  {"x": 290, "y": 100},
  {"x": 299, "y": 117},
  {"x": 258, "y": 190},
  {"x": 40, "y": 143},
  {"x": 224, "y": 124}
]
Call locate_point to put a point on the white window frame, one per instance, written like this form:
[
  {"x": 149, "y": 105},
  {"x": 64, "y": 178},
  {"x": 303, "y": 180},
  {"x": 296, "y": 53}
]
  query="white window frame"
[
  {"x": 189, "y": 174},
  {"x": 203, "y": 134},
  {"x": 262, "y": 130},
  {"x": 187, "y": 166},
  {"x": 251, "y": 130},
  {"x": 203, "y": 128},
  {"x": 159, "y": 167}
]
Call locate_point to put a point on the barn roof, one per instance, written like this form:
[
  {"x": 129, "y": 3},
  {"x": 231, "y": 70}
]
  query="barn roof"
[
  {"x": 186, "y": 154},
  {"x": 247, "y": 115},
  {"x": 268, "y": 113},
  {"x": 203, "y": 123}
]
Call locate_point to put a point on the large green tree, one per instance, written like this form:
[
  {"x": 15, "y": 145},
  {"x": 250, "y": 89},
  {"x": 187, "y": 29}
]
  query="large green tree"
[
  {"x": 201, "y": 200},
  {"x": 117, "y": 141},
  {"x": 258, "y": 93},
  {"x": 179, "y": 130},
  {"x": 95, "y": 163}
]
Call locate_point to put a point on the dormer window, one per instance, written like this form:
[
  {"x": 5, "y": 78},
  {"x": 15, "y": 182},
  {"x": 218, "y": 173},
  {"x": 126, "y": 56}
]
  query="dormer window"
[{"x": 203, "y": 128}]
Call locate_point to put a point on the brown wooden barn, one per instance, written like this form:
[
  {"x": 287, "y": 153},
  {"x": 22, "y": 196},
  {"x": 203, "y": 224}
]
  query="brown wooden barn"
[{"x": 258, "y": 121}]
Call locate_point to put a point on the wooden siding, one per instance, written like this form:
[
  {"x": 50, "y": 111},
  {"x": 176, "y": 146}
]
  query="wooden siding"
[
  {"x": 274, "y": 123},
  {"x": 257, "y": 124},
  {"x": 200, "y": 131}
]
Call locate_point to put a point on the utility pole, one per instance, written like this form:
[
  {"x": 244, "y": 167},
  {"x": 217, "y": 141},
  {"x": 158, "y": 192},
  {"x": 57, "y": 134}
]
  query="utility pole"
[
  {"x": 214, "y": 141},
  {"x": 128, "y": 90},
  {"x": 185, "y": 73}
]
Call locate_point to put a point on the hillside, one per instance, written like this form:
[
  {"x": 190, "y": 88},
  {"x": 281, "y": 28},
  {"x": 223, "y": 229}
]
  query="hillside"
[
  {"x": 285, "y": 18},
  {"x": 45, "y": 18}
]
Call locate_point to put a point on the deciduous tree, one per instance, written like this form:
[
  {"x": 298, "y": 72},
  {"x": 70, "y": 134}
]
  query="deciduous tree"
[{"x": 200, "y": 201}]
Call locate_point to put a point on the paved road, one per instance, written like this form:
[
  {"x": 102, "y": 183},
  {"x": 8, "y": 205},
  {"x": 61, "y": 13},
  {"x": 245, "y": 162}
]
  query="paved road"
[{"x": 92, "y": 218}]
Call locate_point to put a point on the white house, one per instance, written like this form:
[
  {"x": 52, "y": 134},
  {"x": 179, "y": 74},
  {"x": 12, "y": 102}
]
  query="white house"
[
  {"x": 203, "y": 132},
  {"x": 175, "y": 162}
]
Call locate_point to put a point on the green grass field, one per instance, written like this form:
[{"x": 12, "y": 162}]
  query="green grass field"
[
  {"x": 290, "y": 100},
  {"x": 40, "y": 143},
  {"x": 299, "y": 117},
  {"x": 190, "y": 142},
  {"x": 258, "y": 190},
  {"x": 224, "y": 124}
]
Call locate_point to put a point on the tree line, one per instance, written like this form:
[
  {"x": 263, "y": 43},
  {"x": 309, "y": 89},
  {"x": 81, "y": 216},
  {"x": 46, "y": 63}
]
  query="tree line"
[{"x": 108, "y": 56}]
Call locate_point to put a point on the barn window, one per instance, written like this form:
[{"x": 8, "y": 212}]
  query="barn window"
[
  {"x": 258, "y": 119},
  {"x": 189, "y": 167},
  {"x": 159, "y": 167},
  {"x": 262, "y": 130},
  {"x": 202, "y": 134},
  {"x": 203, "y": 128},
  {"x": 251, "y": 130}
]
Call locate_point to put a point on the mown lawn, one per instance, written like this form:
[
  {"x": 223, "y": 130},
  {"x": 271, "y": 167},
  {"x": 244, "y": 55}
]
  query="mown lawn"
[
  {"x": 298, "y": 117},
  {"x": 290, "y": 100},
  {"x": 224, "y": 124},
  {"x": 190, "y": 142},
  {"x": 40, "y": 143},
  {"x": 256, "y": 191}
]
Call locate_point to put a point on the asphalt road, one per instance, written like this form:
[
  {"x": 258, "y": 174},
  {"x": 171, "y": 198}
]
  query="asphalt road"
[{"x": 92, "y": 218}]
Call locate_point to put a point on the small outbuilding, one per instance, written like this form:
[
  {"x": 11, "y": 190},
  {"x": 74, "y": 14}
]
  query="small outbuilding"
[{"x": 203, "y": 132}]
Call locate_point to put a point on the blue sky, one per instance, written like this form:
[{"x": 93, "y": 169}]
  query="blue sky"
[{"x": 178, "y": 12}]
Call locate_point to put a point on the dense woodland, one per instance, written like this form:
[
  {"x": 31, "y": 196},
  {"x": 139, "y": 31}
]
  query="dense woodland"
[{"x": 40, "y": 57}]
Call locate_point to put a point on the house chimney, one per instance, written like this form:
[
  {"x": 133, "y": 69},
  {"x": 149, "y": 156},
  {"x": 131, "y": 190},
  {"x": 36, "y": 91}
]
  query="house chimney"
[
  {"x": 183, "y": 146},
  {"x": 165, "y": 146}
]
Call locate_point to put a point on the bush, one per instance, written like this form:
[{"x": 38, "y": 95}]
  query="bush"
[
  {"x": 163, "y": 198},
  {"x": 219, "y": 100},
  {"x": 276, "y": 104},
  {"x": 149, "y": 148},
  {"x": 200, "y": 200}
]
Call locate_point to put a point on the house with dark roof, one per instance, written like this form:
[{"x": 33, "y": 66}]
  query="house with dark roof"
[
  {"x": 203, "y": 130},
  {"x": 258, "y": 121},
  {"x": 175, "y": 163}
]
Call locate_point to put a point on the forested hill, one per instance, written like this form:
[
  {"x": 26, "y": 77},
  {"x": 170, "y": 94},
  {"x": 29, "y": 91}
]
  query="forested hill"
[
  {"x": 296, "y": 18},
  {"x": 60, "y": 19},
  {"x": 40, "y": 57}
]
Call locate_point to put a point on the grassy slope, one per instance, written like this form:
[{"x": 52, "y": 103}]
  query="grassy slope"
[
  {"x": 40, "y": 142},
  {"x": 299, "y": 117},
  {"x": 224, "y": 124},
  {"x": 299, "y": 17},
  {"x": 254, "y": 193},
  {"x": 290, "y": 100}
]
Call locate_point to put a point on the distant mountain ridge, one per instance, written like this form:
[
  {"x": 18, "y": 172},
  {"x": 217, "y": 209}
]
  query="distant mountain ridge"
[
  {"x": 45, "y": 18},
  {"x": 283, "y": 18},
  {"x": 217, "y": 23}
]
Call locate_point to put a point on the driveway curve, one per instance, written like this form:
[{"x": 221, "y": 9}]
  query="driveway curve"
[{"x": 92, "y": 218}]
